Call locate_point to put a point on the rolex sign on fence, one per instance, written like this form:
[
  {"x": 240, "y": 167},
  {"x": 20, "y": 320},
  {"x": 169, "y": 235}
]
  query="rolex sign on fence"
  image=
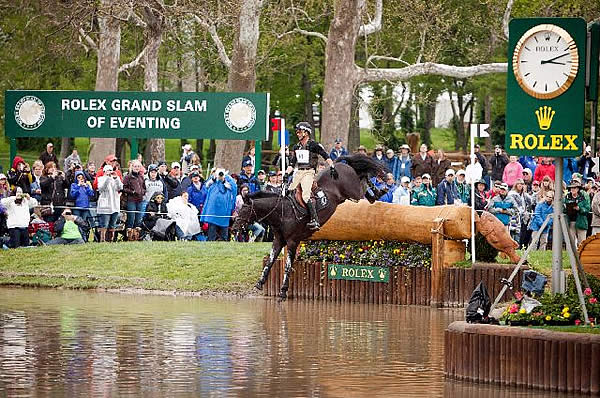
[{"x": 545, "y": 87}]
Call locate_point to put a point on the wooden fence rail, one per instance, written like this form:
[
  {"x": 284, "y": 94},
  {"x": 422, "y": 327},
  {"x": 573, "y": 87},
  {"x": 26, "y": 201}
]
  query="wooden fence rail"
[{"x": 407, "y": 286}]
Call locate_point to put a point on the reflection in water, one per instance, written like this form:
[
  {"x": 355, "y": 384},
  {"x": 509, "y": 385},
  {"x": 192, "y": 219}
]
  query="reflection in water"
[{"x": 67, "y": 343}]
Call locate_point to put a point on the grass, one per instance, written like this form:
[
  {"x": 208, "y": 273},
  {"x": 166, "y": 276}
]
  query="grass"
[
  {"x": 571, "y": 329},
  {"x": 540, "y": 261},
  {"x": 221, "y": 267}
]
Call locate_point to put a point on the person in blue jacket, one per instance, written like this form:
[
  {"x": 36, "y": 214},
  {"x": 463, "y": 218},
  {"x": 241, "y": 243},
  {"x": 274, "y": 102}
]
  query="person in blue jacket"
[
  {"x": 542, "y": 210},
  {"x": 337, "y": 150},
  {"x": 196, "y": 191},
  {"x": 446, "y": 190},
  {"x": 81, "y": 190},
  {"x": 569, "y": 167},
  {"x": 246, "y": 177},
  {"x": 221, "y": 191},
  {"x": 391, "y": 162},
  {"x": 528, "y": 162},
  {"x": 404, "y": 163}
]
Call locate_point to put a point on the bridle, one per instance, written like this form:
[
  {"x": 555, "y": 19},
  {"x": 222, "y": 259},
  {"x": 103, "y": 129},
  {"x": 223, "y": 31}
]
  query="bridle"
[{"x": 253, "y": 214}]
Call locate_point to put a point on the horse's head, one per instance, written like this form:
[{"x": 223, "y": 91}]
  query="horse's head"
[{"x": 246, "y": 216}]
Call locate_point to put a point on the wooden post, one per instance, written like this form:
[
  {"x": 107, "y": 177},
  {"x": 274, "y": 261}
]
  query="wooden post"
[{"x": 437, "y": 262}]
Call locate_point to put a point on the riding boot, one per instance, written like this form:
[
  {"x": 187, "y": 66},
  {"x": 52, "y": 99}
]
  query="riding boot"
[
  {"x": 102, "y": 233},
  {"x": 313, "y": 224}
]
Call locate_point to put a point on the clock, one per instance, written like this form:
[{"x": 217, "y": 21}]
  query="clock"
[{"x": 545, "y": 61}]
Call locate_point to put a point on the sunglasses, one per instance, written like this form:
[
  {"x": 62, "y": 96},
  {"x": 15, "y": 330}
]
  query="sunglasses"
[
  {"x": 67, "y": 214},
  {"x": 176, "y": 167}
]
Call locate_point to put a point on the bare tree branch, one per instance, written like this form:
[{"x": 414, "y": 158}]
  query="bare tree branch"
[
  {"x": 374, "y": 25},
  {"x": 135, "y": 62},
  {"x": 384, "y": 58},
  {"x": 428, "y": 68},
  {"x": 87, "y": 39},
  {"x": 422, "y": 48},
  {"x": 314, "y": 34},
  {"x": 216, "y": 39},
  {"x": 506, "y": 17}
]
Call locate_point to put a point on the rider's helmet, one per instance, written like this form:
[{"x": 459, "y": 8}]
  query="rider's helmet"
[{"x": 304, "y": 126}]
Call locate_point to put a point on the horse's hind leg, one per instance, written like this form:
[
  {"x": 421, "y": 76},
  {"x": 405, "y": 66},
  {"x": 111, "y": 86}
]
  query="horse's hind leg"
[
  {"x": 289, "y": 260},
  {"x": 275, "y": 250}
]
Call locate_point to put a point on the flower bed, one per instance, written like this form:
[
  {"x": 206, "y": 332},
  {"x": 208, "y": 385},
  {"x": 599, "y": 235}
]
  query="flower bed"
[
  {"x": 372, "y": 253},
  {"x": 558, "y": 309}
]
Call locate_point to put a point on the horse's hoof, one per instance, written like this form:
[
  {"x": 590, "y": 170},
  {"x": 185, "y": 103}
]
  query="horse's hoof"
[{"x": 259, "y": 285}]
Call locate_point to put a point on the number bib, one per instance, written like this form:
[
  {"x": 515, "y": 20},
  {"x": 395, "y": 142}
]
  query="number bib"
[{"x": 302, "y": 156}]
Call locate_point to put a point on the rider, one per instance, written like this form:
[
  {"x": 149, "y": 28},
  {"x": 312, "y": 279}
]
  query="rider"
[{"x": 305, "y": 158}]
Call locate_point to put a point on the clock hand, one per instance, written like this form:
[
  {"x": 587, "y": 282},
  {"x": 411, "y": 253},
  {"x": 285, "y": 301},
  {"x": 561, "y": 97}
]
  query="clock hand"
[
  {"x": 548, "y": 61},
  {"x": 555, "y": 63}
]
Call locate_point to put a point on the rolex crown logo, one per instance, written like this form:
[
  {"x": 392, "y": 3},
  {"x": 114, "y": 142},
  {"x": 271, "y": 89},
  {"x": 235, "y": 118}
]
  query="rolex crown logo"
[
  {"x": 544, "y": 117},
  {"x": 381, "y": 274},
  {"x": 333, "y": 273}
]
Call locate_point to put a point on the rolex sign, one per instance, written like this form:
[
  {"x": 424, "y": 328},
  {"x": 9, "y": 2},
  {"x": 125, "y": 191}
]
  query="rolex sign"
[{"x": 545, "y": 87}]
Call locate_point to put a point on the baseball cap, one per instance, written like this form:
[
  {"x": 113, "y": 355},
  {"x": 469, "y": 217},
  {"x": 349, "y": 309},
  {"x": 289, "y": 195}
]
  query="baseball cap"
[
  {"x": 476, "y": 146},
  {"x": 338, "y": 139},
  {"x": 405, "y": 146},
  {"x": 2, "y": 176},
  {"x": 527, "y": 170},
  {"x": 497, "y": 147},
  {"x": 504, "y": 186},
  {"x": 449, "y": 172},
  {"x": 175, "y": 164},
  {"x": 261, "y": 172},
  {"x": 405, "y": 179},
  {"x": 460, "y": 172},
  {"x": 49, "y": 144},
  {"x": 272, "y": 173},
  {"x": 194, "y": 174},
  {"x": 187, "y": 147},
  {"x": 390, "y": 151},
  {"x": 162, "y": 163},
  {"x": 535, "y": 183},
  {"x": 247, "y": 162},
  {"x": 152, "y": 167},
  {"x": 194, "y": 167},
  {"x": 362, "y": 148},
  {"x": 426, "y": 176}
]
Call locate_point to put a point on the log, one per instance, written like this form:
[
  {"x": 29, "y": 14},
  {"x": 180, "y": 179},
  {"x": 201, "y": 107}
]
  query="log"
[{"x": 387, "y": 221}]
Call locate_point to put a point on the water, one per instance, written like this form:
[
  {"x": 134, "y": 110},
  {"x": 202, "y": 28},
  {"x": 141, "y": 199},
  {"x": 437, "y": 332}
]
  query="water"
[{"x": 68, "y": 343}]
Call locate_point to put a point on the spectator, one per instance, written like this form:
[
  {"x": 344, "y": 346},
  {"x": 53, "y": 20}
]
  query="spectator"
[
  {"x": 440, "y": 165},
  {"x": 186, "y": 181},
  {"x": 462, "y": 188},
  {"x": 81, "y": 191},
  {"x": 544, "y": 169},
  {"x": 19, "y": 176},
  {"x": 156, "y": 209},
  {"x": 337, "y": 150},
  {"x": 535, "y": 189},
  {"x": 426, "y": 196},
  {"x": 481, "y": 201},
  {"x": 153, "y": 184},
  {"x": 527, "y": 179},
  {"x": 186, "y": 158},
  {"x": 585, "y": 164},
  {"x": 525, "y": 205},
  {"x": 503, "y": 206},
  {"x": 70, "y": 173},
  {"x": 185, "y": 216},
  {"x": 404, "y": 163},
  {"x": 272, "y": 184},
  {"x": 109, "y": 204},
  {"x": 262, "y": 179},
  {"x": 134, "y": 188},
  {"x": 219, "y": 204},
  {"x": 512, "y": 171},
  {"x": 4, "y": 193},
  {"x": 595, "y": 213},
  {"x": 114, "y": 164},
  {"x": 446, "y": 190},
  {"x": 401, "y": 195},
  {"x": 569, "y": 167},
  {"x": 576, "y": 207},
  {"x": 542, "y": 210},
  {"x": 422, "y": 163},
  {"x": 36, "y": 178},
  {"x": 362, "y": 150},
  {"x": 390, "y": 186},
  {"x": 197, "y": 191},
  {"x": 54, "y": 187},
  {"x": 498, "y": 161},
  {"x": 246, "y": 177},
  {"x": 68, "y": 229},
  {"x": 90, "y": 171},
  {"x": 495, "y": 190},
  {"x": 482, "y": 161},
  {"x": 277, "y": 158},
  {"x": 256, "y": 229},
  {"x": 72, "y": 158},
  {"x": 17, "y": 217},
  {"x": 49, "y": 156},
  {"x": 528, "y": 162},
  {"x": 546, "y": 185},
  {"x": 392, "y": 163},
  {"x": 173, "y": 181},
  {"x": 378, "y": 154},
  {"x": 252, "y": 158}
]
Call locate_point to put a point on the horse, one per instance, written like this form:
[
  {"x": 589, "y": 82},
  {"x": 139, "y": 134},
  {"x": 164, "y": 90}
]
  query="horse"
[{"x": 277, "y": 210}]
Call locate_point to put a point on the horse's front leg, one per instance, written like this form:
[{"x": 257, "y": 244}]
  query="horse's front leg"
[
  {"x": 273, "y": 254},
  {"x": 289, "y": 261}
]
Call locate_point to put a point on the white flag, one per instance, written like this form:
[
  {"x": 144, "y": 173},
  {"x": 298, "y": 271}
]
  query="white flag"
[{"x": 480, "y": 130}]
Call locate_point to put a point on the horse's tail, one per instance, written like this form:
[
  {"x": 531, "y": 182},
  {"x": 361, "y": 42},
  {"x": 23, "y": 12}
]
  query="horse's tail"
[{"x": 363, "y": 165}]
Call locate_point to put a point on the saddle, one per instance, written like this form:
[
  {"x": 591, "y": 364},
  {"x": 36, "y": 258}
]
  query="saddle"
[
  {"x": 298, "y": 205},
  {"x": 298, "y": 194}
]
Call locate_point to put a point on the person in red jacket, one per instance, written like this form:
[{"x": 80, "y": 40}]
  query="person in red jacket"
[
  {"x": 545, "y": 168},
  {"x": 112, "y": 161}
]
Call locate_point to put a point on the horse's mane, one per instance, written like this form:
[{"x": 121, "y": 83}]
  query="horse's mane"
[
  {"x": 363, "y": 165},
  {"x": 263, "y": 195}
]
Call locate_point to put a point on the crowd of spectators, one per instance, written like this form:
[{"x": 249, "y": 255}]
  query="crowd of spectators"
[{"x": 177, "y": 201}]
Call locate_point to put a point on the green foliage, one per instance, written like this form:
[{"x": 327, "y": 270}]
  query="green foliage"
[
  {"x": 485, "y": 252},
  {"x": 373, "y": 253}
]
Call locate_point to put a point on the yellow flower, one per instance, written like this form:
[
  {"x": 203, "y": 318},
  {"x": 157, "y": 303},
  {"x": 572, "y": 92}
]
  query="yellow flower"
[
  {"x": 566, "y": 309},
  {"x": 522, "y": 311},
  {"x": 342, "y": 256},
  {"x": 360, "y": 250},
  {"x": 548, "y": 317},
  {"x": 566, "y": 314}
]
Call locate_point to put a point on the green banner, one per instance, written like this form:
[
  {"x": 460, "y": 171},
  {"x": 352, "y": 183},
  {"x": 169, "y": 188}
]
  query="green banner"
[
  {"x": 358, "y": 273},
  {"x": 131, "y": 114},
  {"x": 545, "y": 87}
]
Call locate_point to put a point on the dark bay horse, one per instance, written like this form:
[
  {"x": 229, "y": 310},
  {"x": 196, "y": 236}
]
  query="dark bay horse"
[{"x": 273, "y": 209}]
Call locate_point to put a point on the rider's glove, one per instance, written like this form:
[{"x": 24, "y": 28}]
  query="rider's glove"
[{"x": 333, "y": 172}]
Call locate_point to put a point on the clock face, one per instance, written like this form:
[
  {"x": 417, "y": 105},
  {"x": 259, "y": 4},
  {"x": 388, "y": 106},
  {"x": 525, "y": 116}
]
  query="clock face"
[{"x": 545, "y": 61}]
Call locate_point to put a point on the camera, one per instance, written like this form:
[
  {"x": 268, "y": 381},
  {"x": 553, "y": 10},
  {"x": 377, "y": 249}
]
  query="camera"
[{"x": 221, "y": 174}]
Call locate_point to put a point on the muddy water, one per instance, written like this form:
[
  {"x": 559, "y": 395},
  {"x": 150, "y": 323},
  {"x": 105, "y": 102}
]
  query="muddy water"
[{"x": 66, "y": 343}]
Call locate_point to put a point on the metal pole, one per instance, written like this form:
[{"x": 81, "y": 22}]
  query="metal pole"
[
  {"x": 133, "y": 149},
  {"x": 593, "y": 124},
  {"x": 13, "y": 152},
  {"x": 473, "y": 183},
  {"x": 257, "y": 157},
  {"x": 557, "y": 238}
]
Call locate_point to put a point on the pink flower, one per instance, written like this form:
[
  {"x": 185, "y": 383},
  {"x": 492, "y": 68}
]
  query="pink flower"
[
  {"x": 593, "y": 300},
  {"x": 577, "y": 322},
  {"x": 514, "y": 308},
  {"x": 518, "y": 295},
  {"x": 587, "y": 291}
]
